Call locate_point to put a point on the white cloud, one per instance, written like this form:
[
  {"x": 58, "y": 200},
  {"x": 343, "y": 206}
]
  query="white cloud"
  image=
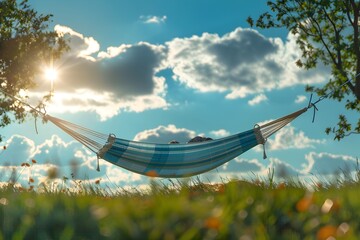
[
  {"x": 57, "y": 152},
  {"x": 19, "y": 149},
  {"x": 327, "y": 163},
  {"x": 220, "y": 133},
  {"x": 289, "y": 138},
  {"x": 243, "y": 166},
  {"x": 240, "y": 63},
  {"x": 165, "y": 134},
  {"x": 300, "y": 99},
  {"x": 258, "y": 99},
  {"x": 85, "y": 46},
  {"x": 153, "y": 19}
]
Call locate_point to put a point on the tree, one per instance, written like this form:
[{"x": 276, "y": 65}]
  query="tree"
[
  {"x": 326, "y": 31},
  {"x": 25, "y": 44}
]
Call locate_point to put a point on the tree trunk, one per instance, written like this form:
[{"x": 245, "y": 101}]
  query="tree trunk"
[{"x": 357, "y": 88}]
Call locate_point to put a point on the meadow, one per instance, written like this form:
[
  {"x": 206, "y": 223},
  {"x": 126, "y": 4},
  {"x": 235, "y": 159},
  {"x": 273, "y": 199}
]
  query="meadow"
[{"x": 184, "y": 209}]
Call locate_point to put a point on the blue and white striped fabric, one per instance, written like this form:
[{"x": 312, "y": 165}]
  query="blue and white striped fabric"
[{"x": 178, "y": 160}]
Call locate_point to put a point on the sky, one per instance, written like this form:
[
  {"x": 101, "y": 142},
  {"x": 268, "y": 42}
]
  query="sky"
[{"x": 160, "y": 70}]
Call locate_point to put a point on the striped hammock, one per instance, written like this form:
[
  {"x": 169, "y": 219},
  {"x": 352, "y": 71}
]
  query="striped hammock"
[{"x": 172, "y": 160}]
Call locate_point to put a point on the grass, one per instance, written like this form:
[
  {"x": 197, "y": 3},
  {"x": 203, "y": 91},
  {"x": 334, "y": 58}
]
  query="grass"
[{"x": 184, "y": 209}]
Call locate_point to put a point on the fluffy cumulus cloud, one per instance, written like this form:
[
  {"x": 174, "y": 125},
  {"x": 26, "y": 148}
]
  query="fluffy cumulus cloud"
[
  {"x": 258, "y": 99},
  {"x": 165, "y": 134},
  {"x": 289, "y": 138},
  {"x": 220, "y": 133},
  {"x": 122, "y": 78},
  {"x": 240, "y": 63},
  {"x": 19, "y": 149},
  {"x": 327, "y": 163}
]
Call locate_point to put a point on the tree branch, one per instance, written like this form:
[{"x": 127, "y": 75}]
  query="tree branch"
[
  {"x": 355, "y": 6},
  {"x": 347, "y": 10},
  {"x": 318, "y": 30}
]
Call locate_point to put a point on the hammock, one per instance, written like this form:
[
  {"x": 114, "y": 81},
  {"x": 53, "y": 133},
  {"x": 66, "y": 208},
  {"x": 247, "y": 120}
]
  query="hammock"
[{"x": 172, "y": 160}]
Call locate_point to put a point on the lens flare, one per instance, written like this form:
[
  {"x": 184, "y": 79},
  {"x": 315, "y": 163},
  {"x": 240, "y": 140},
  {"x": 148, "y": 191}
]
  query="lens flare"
[{"x": 51, "y": 74}]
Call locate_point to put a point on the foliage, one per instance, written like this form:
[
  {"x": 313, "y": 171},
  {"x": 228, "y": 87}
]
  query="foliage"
[
  {"x": 327, "y": 32},
  {"x": 183, "y": 209},
  {"x": 25, "y": 45},
  {"x": 234, "y": 210}
]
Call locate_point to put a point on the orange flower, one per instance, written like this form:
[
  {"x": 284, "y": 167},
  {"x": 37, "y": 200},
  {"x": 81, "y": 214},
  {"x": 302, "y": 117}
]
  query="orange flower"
[
  {"x": 97, "y": 181},
  {"x": 326, "y": 232},
  {"x": 4, "y": 147},
  {"x": 33, "y": 161},
  {"x": 212, "y": 223},
  {"x": 152, "y": 173},
  {"x": 304, "y": 203},
  {"x": 336, "y": 206},
  {"x": 31, "y": 180},
  {"x": 281, "y": 186},
  {"x": 220, "y": 188}
]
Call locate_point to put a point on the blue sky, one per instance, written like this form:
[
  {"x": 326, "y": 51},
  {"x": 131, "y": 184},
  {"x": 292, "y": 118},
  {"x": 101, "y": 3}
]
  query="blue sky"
[{"x": 162, "y": 70}]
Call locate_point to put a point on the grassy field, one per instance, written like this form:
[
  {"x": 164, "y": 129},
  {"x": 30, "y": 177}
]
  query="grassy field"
[{"x": 188, "y": 209}]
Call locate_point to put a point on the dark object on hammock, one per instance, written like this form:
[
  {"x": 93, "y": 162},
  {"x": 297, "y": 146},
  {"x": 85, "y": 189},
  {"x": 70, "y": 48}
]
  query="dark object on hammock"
[{"x": 198, "y": 139}]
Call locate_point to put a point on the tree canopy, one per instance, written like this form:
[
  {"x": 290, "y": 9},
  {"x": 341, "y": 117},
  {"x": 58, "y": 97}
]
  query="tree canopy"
[
  {"x": 326, "y": 31},
  {"x": 25, "y": 44}
]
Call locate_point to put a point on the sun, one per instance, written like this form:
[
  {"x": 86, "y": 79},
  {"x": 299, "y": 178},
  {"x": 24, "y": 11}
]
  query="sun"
[{"x": 51, "y": 73}]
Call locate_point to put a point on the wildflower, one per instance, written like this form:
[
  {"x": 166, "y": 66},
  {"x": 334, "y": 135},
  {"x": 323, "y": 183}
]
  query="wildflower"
[
  {"x": 326, "y": 232},
  {"x": 31, "y": 180},
  {"x": 4, "y": 147},
  {"x": 304, "y": 203},
  {"x": 212, "y": 223},
  {"x": 281, "y": 186},
  {"x": 220, "y": 188},
  {"x": 25, "y": 165},
  {"x": 4, "y": 201},
  {"x": 97, "y": 181},
  {"x": 336, "y": 206},
  {"x": 33, "y": 161},
  {"x": 152, "y": 173}
]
